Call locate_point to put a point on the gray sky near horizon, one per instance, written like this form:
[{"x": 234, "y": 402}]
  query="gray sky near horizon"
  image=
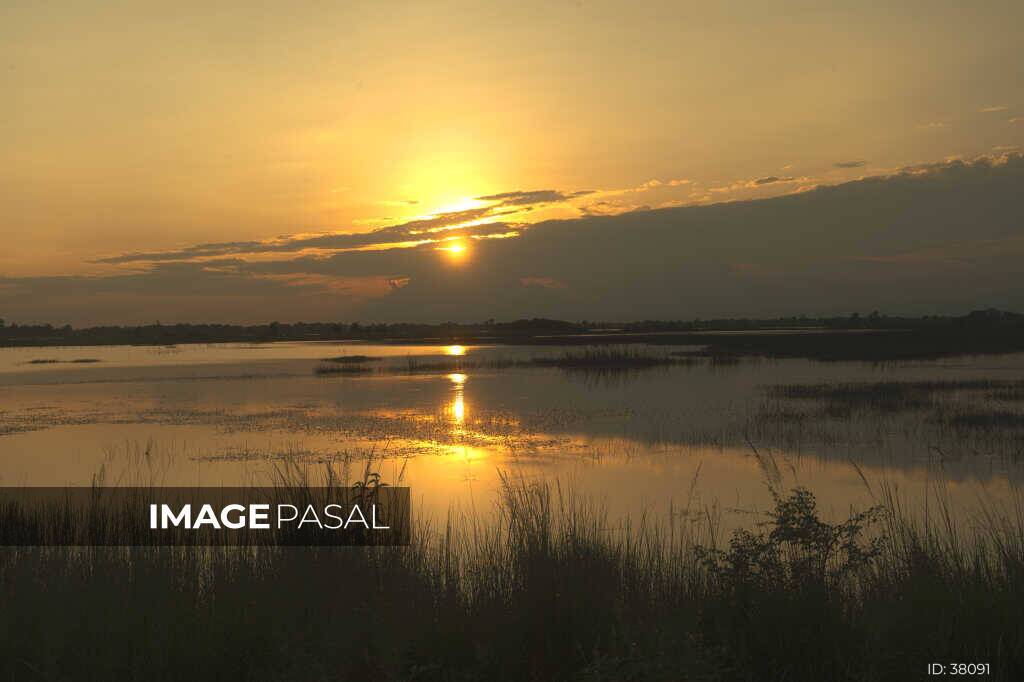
[{"x": 938, "y": 240}]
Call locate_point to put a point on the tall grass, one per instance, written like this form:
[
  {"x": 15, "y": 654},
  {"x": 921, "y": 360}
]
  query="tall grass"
[{"x": 554, "y": 590}]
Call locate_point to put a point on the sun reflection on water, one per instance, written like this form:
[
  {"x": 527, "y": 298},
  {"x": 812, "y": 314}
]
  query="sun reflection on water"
[{"x": 457, "y": 409}]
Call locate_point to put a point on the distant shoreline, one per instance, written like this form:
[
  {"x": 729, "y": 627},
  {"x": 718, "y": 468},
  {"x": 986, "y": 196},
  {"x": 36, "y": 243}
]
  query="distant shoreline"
[{"x": 871, "y": 338}]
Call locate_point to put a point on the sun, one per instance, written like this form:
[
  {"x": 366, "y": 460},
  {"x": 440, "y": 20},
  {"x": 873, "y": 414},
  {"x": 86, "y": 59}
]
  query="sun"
[{"x": 456, "y": 250}]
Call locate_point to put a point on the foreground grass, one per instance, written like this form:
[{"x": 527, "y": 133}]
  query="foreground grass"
[{"x": 551, "y": 591}]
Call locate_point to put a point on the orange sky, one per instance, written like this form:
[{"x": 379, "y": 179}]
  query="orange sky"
[{"x": 145, "y": 128}]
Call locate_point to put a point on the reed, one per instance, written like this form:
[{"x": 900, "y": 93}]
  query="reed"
[
  {"x": 553, "y": 589},
  {"x": 606, "y": 356},
  {"x": 325, "y": 369}
]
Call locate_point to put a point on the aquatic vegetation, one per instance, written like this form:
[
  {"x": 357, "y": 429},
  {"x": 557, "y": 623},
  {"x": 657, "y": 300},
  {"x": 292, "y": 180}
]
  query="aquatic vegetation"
[
  {"x": 952, "y": 416},
  {"x": 596, "y": 357},
  {"x": 1008, "y": 393},
  {"x": 996, "y": 419},
  {"x": 550, "y": 590},
  {"x": 353, "y": 359},
  {"x": 607, "y": 356},
  {"x": 549, "y": 585},
  {"x": 324, "y": 369},
  {"x": 346, "y": 364},
  {"x": 879, "y": 345},
  {"x": 886, "y": 391},
  {"x": 54, "y": 361},
  {"x": 440, "y": 365}
]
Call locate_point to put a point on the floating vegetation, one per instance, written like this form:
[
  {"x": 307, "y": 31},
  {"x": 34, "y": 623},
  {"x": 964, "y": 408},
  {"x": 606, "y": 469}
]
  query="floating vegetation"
[
  {"x": 952, "y": 416},
  {"x": 996, "y": 419},
  {"x": 587, "y": 357},
  {"x": 353, "y": 359},
  {"x": 887, "y": 396},
  {"x": 608, "y": 357},
  {"x": 54, "y": 361},
  {"x": 885, "y": 390},
  {"x": 1011, "y": 393},
  {"x": 328, "y": 369},
  {"x": 837, "y": 345}
]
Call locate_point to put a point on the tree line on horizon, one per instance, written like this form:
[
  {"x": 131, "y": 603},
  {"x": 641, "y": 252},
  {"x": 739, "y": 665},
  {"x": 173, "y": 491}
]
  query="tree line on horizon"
[{"x": 12, "y": 334}]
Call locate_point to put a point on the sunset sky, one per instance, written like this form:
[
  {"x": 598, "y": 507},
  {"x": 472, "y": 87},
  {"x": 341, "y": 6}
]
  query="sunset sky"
[{"x": 388, "y": 161}]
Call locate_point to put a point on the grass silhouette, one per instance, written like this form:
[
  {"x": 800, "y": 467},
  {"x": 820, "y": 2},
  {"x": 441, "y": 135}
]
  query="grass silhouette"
[{"x": 551, "y": 590}]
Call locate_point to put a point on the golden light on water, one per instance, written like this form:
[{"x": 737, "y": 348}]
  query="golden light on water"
[
  {"x": 458, "y": 405},
  {"x": 459, "y": 408},
  {"x": 455, "y": 350}
]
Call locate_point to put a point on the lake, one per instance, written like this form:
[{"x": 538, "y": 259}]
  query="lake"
[{"x": 696, "y": 440}]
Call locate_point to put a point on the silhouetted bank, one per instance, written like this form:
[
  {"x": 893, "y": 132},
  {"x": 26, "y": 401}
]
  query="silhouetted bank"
[{"x": 873, "y": 337}]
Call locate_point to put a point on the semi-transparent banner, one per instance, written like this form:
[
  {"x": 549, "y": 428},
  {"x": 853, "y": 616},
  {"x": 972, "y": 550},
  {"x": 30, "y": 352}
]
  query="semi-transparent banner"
[{"x": 204, "y": 516}]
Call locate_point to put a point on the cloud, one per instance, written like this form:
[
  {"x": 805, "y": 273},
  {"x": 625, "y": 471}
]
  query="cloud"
[
  {"x": 991, "y": 110},
  {"x": 740, "y": 186},
  {"x": 413, "y": 230},
  {"x": 653, "y": 184},
  {"x": 831, "y": 249},
  {"x": 399, "y": 202},
  {"x": 527, "y": 198},
  {"x": 770, "y": 180},
  {"x": 611, "y": 207},
  {"x": 404, "y": 234},
  {"x": 944, "y": 237},
  {"x": 850, "y": 164}
]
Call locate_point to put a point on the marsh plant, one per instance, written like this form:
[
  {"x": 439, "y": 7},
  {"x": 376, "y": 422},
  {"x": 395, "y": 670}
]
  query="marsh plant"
[
  {"x": 963, "y": 417},
  {"x": 795, "y": 549},
  {"x": 548, "y": 588}
]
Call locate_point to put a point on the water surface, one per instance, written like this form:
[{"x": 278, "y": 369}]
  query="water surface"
[{"x": 701, "y": 437}]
